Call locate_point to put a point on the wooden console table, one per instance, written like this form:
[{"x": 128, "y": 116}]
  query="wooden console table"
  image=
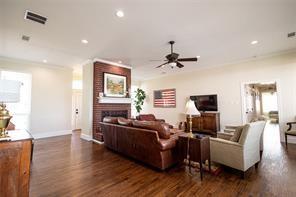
[
  {"x": 15, "y": 156},
  {"x": 199, "y": 150},
  {"x": 207, "y": 123}
]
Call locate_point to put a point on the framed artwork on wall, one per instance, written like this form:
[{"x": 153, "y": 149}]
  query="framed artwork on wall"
[
  {"x": 165, "y": 98},
  {"x": 114, "y": 85}
]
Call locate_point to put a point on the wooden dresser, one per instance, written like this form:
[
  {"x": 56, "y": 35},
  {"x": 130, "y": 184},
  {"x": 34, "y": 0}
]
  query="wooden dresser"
[
  {"x": 15, "y": 159},
  {"x": 208, "y": 123}
]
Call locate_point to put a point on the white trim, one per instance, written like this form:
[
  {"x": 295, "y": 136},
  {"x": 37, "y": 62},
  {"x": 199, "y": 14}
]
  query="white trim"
[
  {"x": 114, "y": 100},
  {"x": 98, "y": 142},
  {"x": 112, "y": 63},
  {"x": 51, "y": 134},
  {"x": 86, "y": 62},
  {"x": 85, "y": 137}
]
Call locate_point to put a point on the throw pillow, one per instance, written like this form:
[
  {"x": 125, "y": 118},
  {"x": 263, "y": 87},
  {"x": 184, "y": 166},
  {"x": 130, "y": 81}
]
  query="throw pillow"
[{"x": 237, "y": 134}]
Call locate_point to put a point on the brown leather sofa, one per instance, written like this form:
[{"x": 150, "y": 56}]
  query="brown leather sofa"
[
  {"x": 150, "y": 117},
  {"x": 141, "y": 144}
]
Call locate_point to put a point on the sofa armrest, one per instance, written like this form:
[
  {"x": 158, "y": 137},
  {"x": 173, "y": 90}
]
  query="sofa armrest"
[
  {"x": 166, "y": 144},
  {"x": 225, "y": 136},
  {"x": 227, "y": 153},
  {"x": 225, "y": 142}
]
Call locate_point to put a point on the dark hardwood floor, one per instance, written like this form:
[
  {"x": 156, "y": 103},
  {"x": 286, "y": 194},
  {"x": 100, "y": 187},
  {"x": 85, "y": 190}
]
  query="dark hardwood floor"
[{"x": 69, "y": 166}]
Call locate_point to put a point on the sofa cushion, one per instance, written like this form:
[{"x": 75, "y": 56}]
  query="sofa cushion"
[
  {"x": 236, "y": 134},
  {"x": 112, "y": 120},
  {"x": 124, "y": 121},
  {"x": 146, "y": 117},
  {"x": 163, "y": 130}
]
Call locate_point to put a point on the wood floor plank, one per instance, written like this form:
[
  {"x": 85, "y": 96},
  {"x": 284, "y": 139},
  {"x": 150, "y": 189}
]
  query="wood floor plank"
[{"x": 69, "y": 166}]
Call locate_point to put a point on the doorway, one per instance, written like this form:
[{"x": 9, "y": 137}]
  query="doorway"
[
  {"x": 76, "y": 109},
  {"x": 260, "y": 102}
]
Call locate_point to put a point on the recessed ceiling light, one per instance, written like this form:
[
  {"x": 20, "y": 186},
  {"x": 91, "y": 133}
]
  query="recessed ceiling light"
[
  {"x": 198, "y": 56},
  {"x": 254, "y": 42},
  {"x": 84, "y": 41},
  {"x": 44, "y": 61},
  {"x": 120, "y": 13}
]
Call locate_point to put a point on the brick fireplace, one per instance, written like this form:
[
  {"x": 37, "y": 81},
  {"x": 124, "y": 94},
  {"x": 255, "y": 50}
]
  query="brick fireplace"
[{"x": 107, "y": 109}]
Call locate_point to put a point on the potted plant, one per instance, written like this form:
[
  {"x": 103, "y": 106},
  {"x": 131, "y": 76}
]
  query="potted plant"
[{"x": 139, "y": 99}]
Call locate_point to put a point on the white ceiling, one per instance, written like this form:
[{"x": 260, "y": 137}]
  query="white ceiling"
[{"x": 220, "y": 31}]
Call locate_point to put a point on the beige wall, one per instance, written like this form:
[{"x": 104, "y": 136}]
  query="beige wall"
[
  {"x": 226, "y": 81},
  {"x": 87, "y": 101},
  {"x": 51, "y": 96}
]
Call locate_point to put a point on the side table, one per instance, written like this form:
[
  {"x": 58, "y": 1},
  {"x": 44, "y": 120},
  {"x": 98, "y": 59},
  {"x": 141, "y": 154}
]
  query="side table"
[{"x": 195, "y": 149}]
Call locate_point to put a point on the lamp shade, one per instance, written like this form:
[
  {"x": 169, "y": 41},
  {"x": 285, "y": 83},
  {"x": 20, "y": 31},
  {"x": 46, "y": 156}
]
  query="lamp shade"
[
  {"x": 191, "y": 109},
  {"x": 10, "y": 91}
]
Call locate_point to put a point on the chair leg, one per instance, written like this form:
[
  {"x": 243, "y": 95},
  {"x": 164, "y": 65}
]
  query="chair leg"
[
  {"x": 256, "y": 165},
  {"x": 286, "y": 140},
  {"x": 243, "y": 174},
  {"x": 261, "y": 153}
]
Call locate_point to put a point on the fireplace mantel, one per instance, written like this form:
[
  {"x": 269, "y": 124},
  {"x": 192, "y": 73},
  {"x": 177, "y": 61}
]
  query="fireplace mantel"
[{"x": 114, "y": 100}]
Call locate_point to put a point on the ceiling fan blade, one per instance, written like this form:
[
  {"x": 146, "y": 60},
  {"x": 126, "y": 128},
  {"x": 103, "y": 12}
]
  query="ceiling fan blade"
[
  {"x": 194, "y": 59},
  {"x": 162, "y": 65},
  {"x": 179, "y": 65},
  {"x": 157, "y": 60}
]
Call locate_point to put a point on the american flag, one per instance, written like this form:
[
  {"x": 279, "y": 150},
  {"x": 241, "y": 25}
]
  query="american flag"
[{"x": 165, "y": 98}]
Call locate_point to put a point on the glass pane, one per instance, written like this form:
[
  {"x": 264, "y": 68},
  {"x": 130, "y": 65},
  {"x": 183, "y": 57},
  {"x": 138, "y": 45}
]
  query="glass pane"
[
  {"x": 269, "y": 102},
  {"x": 20, "y": 111}
]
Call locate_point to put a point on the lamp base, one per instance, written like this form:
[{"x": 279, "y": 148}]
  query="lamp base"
[{"x": 4, "y": 120}]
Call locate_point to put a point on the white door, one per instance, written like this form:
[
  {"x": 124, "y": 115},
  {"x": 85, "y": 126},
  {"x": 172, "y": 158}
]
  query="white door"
[{"x": 76, "y": 109}]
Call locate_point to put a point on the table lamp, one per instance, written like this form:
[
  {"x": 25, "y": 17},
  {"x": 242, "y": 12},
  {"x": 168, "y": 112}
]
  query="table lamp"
[
  {"x": 9, "y": 93},
  {"x": 191, "y": 110}
]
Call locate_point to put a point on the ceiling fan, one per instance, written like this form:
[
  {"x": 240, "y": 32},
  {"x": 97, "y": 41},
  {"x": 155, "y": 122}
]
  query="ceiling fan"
[{"x": 173, "y": 60}]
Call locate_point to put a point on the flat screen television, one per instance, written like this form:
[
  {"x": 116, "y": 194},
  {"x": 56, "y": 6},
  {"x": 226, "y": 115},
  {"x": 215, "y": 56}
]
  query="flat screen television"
[{"x": 205, "y": 102}]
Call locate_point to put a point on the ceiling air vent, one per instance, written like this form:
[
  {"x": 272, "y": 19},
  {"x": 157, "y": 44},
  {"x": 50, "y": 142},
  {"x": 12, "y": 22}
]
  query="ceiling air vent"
[
  {"x": 292, "y": 34},
  {"x": 35, "y": 17},
  {"x": 25, "y": 38}
]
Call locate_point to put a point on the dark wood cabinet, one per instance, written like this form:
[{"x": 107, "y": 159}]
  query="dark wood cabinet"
[
  {"x": 15, "y": 156},
  {"x": 207, "y": 122}
]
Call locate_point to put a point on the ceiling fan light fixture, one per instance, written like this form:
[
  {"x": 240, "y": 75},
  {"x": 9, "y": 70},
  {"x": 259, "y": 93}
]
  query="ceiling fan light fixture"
[{"x": 172, "y": 64}]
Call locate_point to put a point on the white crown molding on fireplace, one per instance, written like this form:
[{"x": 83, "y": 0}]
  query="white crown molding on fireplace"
[
  {"x": 112, "y": 63},
  {"x": 114, "y": 100}
]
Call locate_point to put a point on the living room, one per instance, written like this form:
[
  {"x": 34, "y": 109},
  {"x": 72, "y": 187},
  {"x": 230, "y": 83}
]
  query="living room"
[{"x": 112, "y": 100}]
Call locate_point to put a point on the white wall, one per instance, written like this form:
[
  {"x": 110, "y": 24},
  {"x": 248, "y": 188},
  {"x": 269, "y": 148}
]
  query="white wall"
[
  {"x": 226, "y": 82},
  {"x": 87, "y": 101},
  {"x": 51, "y": 96}
]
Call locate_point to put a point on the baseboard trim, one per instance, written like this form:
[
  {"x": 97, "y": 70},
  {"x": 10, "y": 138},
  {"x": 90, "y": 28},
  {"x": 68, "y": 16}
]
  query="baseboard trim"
[
  {"x": 51, "y": 134},
  {"x": 85, "y": 137},
  {"x": 98, "y": 142}
]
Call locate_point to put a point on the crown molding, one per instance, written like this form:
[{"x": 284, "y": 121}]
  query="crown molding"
[{"x": 111, "y": 63}]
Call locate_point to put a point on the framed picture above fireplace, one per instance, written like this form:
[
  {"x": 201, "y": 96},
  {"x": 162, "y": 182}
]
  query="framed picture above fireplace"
[{"x": 114, "y": 85}]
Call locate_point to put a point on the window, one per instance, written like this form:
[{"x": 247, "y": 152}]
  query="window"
[
  {"x": 269, "y": 102},
  {"x": 20, "y": 111},
  {"x": 133, "y": 94},
  {"x": 77, "y": 84}
]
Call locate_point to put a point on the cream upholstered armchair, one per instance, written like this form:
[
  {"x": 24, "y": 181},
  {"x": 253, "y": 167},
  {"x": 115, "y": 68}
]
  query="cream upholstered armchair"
[{"x": 242, "y": 154}]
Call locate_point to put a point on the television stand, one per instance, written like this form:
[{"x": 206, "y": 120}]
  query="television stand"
[{"x": 207, "y": 123}]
